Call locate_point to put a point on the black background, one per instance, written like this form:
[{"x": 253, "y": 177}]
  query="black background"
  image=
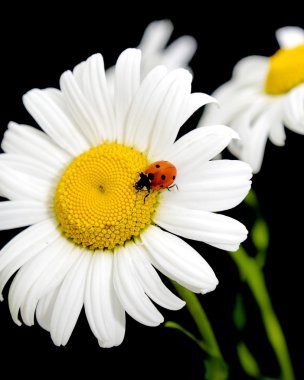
[{"x": 35, "y": 49}]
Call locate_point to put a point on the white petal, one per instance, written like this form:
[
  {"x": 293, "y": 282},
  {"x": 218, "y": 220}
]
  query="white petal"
[
  {"x": 179, "y": 52},
  {"x": 55, "y": 122},
  {"x": 290, "y": 36},
  {"x": 105, "y": 315},
  {"x": 154, "y": 50},
  {"x": 196, "y": 101},
  {"x": 127, "y": 80},
  {"x": 243, "y": 124},
  {"x": 16, "y": 185},
  {"x": 217, "y": 230},
  {"x": 28, "y": 165},
  {"x": 158, "y": 110},
  {"x": 219, "y": 185},
  {"x": 171, "y": 113},
  {"x": 62, "y": 103},
  {"x": 234, "y": 98},
  {"x": 59, "y": 260},
  {"x": 130, "y": 291},
  {"x": 293, "y": 109},
  {"x": 151, "y": 282},
  {"x": 176, "y": 259},
  {"x": 277, "y": 134},
  {"x": 197, "y": 147},
  {"x": 30, "y": 142},
  {"x": 45, "y": 308},
  {"x": 236, "y": 95},
  {"x": 155, "y": 37},
  {"x": 140, "y": 118},
  {"x": 79, "y": 74},
  {"x": 70, "y": 300},
  {"x": 15, "y": 214},
  {"x": 254, "y": 150},
  {"x": 29, "y": 274},
  {"x": 24, "y": 246},
  {"x": 80, "y": 107},
  {"x": 95, "y": 88},
  {"x": 251, "y": 69}
]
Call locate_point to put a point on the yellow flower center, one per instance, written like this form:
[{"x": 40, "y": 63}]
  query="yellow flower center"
[
  {"x": 96, "y": 203},
  {"x": 286, "y": 70}
]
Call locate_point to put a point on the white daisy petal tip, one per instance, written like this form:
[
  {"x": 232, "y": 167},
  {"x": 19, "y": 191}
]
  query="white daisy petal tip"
[
  {"x": 163, "y": 28},
  {"x": 290, "y": 36},
  {"x": 181, "y": 304},
  {"x": 156, "y": 50},
  {"x": 185, "y": 74},
  {"x": 223, "y": 131},
  {"x": 156, "y": 36},
  {"x": 27, "y": 97},
  {"x": 247, "y": 171},
  {"x": 205, "y": 99},
  {"x": 128, "y": 54},
  {"x": 243, "y": 237},
  {"x": 11, "y": 125},
  {"x": 103, "y": 344},
  {"x": 188, "y": 46},
  {"x": 251, "y": 69},
  {"x": 211, "y": 288},
  {"x": 65, "y": 76}
]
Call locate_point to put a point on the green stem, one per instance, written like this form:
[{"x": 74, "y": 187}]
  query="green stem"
[
  {"x": 200, "y": 318},
  {"x": 200, "y": 343},
  {"x": 254, "y": 277},
  {"x": 216, "y": 368},
  {"x": 251, "y": 200}
]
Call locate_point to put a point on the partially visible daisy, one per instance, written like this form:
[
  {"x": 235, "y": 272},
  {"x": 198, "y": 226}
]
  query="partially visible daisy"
[
  {"x": 95, "y": 239},
  {"x": 155, "y": 51},
  {"x": 263, "y": 95}
]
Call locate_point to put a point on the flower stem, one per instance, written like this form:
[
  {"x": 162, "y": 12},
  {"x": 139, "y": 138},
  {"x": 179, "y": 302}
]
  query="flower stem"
[
  {"x": 251, "y": 272},
  {"x": 216, "y": 367},
  {"x": 251, "y": 200}
]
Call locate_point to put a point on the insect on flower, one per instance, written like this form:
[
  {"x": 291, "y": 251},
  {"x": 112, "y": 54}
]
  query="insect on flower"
[{"x": 159, "y": 175}]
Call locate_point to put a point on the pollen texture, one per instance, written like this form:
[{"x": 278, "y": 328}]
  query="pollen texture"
[
  {"x": 96, "y": 204},
  {"x": 286, "y": 70}
]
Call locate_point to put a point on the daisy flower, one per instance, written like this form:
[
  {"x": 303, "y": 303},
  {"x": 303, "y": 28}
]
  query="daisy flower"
[
  {"x": 94, "y": 239},
  {"x": 263, "y": 95},
  {"x": 155, "y": 51}
]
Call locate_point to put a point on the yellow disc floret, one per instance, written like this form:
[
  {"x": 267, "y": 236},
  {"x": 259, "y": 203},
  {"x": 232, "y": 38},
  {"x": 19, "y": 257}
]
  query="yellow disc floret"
[
  {"x": 286, "y": 70},
  {"x": 96, "y": 203}
]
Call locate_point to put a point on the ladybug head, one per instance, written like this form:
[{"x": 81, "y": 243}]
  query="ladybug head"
[{"x": 143, "y": 182}]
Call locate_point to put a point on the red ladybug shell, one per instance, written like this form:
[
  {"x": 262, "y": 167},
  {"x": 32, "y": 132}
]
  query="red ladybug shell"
[{"x": 161, "y": 174}]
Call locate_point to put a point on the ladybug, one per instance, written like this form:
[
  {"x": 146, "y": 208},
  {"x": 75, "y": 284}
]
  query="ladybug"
[{"x": 159, "y": 175}]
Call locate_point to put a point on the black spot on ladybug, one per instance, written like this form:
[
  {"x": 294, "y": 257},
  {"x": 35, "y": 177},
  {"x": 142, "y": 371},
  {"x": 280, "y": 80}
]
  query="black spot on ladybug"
[
  {"x": 161, "y": 185},
  {"x": 157, "y": 166},
  {"x": 173, "y": 177},
  {"x": 151, "y": 176},
  {"x": 163, "y": 176}
]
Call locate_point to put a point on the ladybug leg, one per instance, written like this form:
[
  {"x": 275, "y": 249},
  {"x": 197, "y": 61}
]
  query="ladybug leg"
[
  {"x": 146, "y": 196},
  {"x": 169, "y": 188},
  {"x": 148, "y": 187}
]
